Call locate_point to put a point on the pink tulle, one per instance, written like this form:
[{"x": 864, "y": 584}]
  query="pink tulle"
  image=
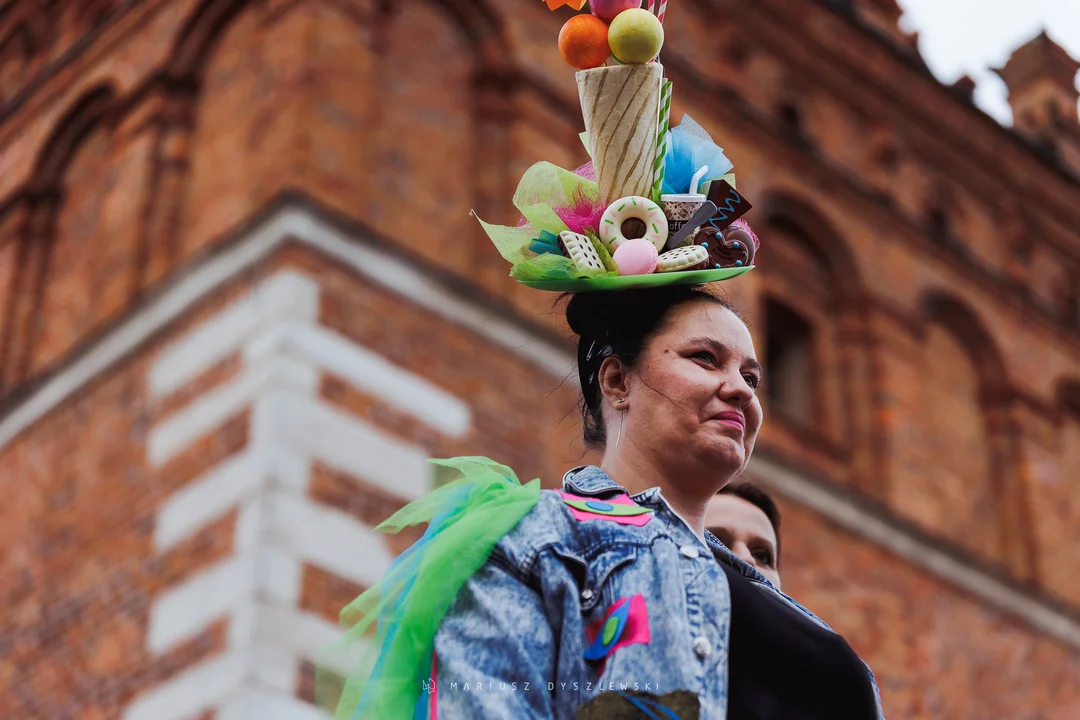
[
  {"x": 587, "y": 171},
  {"x": 584, "y": 213},
  {"x": 740, "y": 223}
]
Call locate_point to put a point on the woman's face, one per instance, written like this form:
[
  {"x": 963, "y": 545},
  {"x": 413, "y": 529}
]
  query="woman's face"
[
  {"x": 747, "y": 532},
  {"x": 691, "y": 404}
]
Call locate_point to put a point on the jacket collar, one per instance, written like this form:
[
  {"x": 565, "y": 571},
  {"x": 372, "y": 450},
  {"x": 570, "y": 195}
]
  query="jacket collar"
[
  {"x": 723, "y": 554},
  {"x": 590, "y": 480}
]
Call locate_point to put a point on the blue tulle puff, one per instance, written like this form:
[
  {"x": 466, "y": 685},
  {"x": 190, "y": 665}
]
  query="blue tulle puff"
[{"x": 689, "y": 149}]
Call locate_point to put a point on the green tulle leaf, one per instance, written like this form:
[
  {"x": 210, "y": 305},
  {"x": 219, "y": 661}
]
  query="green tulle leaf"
[
  {"x": 552, "y": 267},
  {"x": 511, "y": 242},
  {"x": 543, "y": 188},
  {"x": 377, "y": 669}
]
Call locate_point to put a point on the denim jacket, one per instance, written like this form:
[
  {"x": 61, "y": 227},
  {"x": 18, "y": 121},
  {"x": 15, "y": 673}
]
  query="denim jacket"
[{"x": 513, "y": 644}]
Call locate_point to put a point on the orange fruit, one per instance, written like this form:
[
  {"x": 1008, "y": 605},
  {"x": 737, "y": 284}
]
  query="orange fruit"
[{"x": 583, "y": 42}]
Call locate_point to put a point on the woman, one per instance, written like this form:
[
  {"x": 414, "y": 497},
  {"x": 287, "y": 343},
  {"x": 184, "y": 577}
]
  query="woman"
[
  {"x": 612, "y": 585},
  {"x": 746, "y": 520}
]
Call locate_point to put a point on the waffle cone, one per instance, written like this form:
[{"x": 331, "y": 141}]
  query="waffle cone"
[{"x": 620, "y": 106}]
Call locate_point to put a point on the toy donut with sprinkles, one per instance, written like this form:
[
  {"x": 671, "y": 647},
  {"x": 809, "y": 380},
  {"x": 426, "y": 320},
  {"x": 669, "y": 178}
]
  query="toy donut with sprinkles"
[{"x": 633, "y": 208}]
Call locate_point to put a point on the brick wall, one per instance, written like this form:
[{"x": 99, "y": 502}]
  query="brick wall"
[
  {"x": 211, "y": 388},
  {"x": 935, "y": 653}
]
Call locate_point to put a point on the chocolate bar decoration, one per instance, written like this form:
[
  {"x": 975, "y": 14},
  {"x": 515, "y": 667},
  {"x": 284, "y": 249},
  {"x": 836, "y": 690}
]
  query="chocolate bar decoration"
[{"x": 730, "y": 205}]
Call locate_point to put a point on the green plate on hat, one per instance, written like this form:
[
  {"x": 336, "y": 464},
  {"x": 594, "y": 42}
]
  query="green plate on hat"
[{"x": 632, "y": 282}]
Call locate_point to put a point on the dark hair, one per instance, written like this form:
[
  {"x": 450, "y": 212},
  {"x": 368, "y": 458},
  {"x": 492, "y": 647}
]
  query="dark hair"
[
  {"x": 619, "y": 324},
  {"x": 762, "y": 500}
]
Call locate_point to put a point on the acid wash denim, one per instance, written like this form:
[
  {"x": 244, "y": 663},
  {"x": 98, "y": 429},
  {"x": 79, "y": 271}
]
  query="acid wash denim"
[{"x": 512, "y": 644}]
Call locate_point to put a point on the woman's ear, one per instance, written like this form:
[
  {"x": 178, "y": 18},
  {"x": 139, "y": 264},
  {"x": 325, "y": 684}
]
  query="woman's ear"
[{"x": 614, "y": 382}]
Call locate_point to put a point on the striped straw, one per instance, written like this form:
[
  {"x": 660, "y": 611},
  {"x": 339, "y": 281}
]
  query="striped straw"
[
  {"x": 652, "y": 6},
  {"x": 662, "y": 11},
  {"x": 661, "y": 140}
]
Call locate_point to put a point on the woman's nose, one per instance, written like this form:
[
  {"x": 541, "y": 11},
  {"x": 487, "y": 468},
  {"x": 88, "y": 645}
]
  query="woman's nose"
[{"x": 736, "y": 390}]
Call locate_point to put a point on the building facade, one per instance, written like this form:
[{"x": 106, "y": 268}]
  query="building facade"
[{"x": 242, "y": 300}]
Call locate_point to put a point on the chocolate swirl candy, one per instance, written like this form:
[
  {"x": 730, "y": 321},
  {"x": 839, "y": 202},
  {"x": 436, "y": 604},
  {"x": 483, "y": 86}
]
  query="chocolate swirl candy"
[{"x": 731, "y": 247}]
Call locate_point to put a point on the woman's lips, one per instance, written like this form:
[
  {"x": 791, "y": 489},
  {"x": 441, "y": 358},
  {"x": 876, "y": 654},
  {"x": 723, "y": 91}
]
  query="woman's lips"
[{"x": 732, "y": 419}]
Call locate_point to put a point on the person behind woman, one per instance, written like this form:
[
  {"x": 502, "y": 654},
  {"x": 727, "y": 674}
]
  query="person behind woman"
[
  {"x": 745, "y": 518},
  {"x": 612, "y": 584}
]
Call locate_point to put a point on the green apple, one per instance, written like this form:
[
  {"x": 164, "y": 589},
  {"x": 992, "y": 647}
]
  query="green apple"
[{"x": 635, "y": 36}]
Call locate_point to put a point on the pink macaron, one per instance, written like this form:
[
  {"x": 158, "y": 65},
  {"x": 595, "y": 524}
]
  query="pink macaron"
[{"x": 636, "y": 257}]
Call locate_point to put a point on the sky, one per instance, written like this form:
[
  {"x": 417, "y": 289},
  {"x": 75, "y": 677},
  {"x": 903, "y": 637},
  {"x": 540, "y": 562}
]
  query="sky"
[{"x": 958, "y": 37}]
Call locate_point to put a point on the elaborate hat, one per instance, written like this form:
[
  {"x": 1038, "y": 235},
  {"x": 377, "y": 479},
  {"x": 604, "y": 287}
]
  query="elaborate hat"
[{"x": 656, "y": 205}]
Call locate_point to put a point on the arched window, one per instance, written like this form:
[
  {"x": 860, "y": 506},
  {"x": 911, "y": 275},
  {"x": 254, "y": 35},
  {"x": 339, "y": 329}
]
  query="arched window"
[
  {"x": 811, "y": 330},
  {"x": 1069, "y": 473},
  {"x": 80, "y": 274},
  {"x": 802, "y": 348},
  {"x": 736, "y": 53},
  {"x": 15, "y": 59},
  {"x": 957, "y": 495},
  {"x": 955, "y": 470},
  {"x": 789, "y": 364},
  {"x": 1067, "y": 300},
  {"x": 1055, "y": 500},
  {"x": 58, "y": 291},
  {"x": 887, "y": 158},
  {"x": 791, "y": 119},
  {"x": 945, "y": 223},
  {"x": 937, "y": 222}
]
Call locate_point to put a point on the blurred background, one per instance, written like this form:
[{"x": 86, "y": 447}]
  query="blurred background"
[{"x": 242, "y": 300}]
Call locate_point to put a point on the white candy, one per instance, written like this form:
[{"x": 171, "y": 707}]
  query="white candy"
[
  {"x": 580, "y": 249},
  {"x": 682, "y": 258}
]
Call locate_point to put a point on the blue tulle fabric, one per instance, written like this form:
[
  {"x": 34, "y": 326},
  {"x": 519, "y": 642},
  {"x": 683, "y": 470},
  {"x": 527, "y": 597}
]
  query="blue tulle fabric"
[{"x": 690, "y": 148}]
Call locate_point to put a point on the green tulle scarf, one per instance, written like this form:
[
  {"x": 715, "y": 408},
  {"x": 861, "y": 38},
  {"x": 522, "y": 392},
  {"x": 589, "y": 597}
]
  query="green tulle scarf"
[{"x": 385, "y": 656}]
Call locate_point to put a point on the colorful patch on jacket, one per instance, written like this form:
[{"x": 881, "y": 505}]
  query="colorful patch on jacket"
[
  {"x": 621, "y": 509},
  {"x": 625, "y": 623}
]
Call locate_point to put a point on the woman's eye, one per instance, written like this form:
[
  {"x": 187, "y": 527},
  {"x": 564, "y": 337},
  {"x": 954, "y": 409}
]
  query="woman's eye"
[
  {"x": 763, "y": 557},
  {"x": 705, "y": 356},
  {"x": 752, "y": 380}
]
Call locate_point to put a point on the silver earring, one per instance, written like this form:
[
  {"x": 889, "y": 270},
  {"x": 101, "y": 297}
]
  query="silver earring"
[
  {"x": 618, "y": 437},
  {"x": 621, "y": 400}
]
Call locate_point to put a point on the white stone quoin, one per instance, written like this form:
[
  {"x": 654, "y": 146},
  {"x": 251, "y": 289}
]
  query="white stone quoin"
[{"x": 279, "y": 529}]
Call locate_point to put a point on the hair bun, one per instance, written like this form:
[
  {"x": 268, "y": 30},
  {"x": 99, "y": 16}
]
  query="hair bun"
[
  {"x": 593, "y": 314},
  {"x": 587, "y": 313}
]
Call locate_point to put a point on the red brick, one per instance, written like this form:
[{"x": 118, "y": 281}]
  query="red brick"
[
  {"x": 382, "y": 120},
  {"x": 935, "y": 652},
  {"x": 326, "y": 594}
]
